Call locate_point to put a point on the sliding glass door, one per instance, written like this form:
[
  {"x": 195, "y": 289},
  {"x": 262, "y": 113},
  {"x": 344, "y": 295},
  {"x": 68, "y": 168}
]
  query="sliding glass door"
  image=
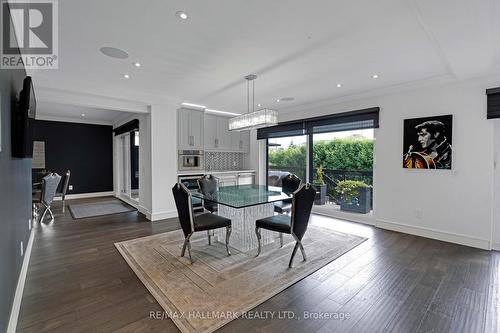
[
  {"x": 342, "y": 169},
  {"x": 333, "y": 152},
  {"x": 286, "y": 155}
]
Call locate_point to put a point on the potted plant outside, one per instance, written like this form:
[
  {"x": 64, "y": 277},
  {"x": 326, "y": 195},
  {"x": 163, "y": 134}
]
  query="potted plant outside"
[
  {"x": 320, "y": 186},
  {"x": 355, "y": 196}
]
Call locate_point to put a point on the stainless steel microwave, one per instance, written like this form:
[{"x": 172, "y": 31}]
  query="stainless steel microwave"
[{"x": 190, "y": 160}]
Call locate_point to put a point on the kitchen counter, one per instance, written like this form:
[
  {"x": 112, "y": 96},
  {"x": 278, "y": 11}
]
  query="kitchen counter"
[{"x": 215, "y": 172}]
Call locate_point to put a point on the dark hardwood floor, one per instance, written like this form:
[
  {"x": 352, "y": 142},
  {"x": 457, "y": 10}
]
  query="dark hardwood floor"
[{"x": 78, "y": 282}]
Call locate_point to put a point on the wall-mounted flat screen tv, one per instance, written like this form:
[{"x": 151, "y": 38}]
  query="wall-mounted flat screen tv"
[{"x": 23, "y": 121}]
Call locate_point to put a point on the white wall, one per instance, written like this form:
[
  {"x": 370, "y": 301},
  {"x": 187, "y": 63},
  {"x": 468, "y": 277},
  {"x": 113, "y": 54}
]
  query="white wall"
[
  {"x": 163, "y": 160},
  {"x": 454, "y": 205},
  {"x": 496, "y": 187}
]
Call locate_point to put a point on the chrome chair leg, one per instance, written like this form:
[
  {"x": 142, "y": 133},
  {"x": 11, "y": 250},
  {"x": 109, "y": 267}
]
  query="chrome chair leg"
[
  {"x": 189, "y": 252},
  {"x": 209, "y": 237},
  {"x": 64, "y": 205},
  {"x": 302, "y": 250},
  {"x": 281, "y": 239},
  {"x": 44, "y": 212},
  {"x": 186, "y": 242},
  {"x": 293, "y": 254},
  {"x": 257, "y": 232},
  {"x": 50, "y": 212},
  {"x": 228, "y": 234}
]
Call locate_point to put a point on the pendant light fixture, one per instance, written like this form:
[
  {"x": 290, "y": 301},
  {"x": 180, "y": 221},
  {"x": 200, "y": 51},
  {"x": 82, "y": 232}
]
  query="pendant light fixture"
[{"x": 254, "y": 119}]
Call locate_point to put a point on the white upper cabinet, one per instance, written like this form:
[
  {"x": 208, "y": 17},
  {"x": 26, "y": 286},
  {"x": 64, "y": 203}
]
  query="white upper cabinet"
[
  {"x": 240, "y": 141},
  {"x": 223, "y": 134},
  {"x": 190, "y": 124},
  {"x": 198, "y": 130},
  {"x": 211, "y": 142}
]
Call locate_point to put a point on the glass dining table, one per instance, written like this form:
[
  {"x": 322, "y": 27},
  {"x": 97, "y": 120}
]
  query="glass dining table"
[{"x": 244, "y": 204}]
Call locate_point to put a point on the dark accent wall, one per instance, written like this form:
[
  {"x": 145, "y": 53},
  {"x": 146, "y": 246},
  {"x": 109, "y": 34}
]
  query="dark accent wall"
[
  {"x": 85, "y": 149},
  {"x": 15, "y": 198}
]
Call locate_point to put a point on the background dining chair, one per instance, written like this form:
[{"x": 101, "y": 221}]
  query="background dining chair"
[
  {"x": 295, "y": 224},
  {"x": 49, "y": 188},
  {"x": 289, "y": 184},
  {"x": 207, "y": 185},
  {"x": 64, "y": 189},
  {"x": 190, "y": 224}
]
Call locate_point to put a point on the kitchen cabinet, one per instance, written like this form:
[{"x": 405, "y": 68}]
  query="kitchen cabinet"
[
  {"x": 218, "y": 137},
  {"x": 190, "y": 125},
  {"x": 211, "y": 142},
  {"x": 240, "y": 141},
  {"x": 209, "y": 132},
  {"x": 228, "y": 179},
  {"x": 247, "y": 178},
  {"x": 223, "y": 134}
]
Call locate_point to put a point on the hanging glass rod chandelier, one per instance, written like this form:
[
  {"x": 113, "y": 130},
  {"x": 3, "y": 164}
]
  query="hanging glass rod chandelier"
[{"x": 254, "y": 119}]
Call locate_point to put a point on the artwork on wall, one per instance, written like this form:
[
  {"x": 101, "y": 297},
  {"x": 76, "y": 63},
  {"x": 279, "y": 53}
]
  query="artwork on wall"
[{"x": 427, "y": 142}]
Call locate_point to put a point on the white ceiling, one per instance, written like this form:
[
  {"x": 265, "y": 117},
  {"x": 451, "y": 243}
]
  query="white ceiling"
[
  {"x": 72, "y": 113},
  {"x": 298, "y": 48}
]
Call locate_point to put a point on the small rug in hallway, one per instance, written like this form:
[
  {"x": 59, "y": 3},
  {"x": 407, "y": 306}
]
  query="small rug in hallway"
[
  {"x": 108, "y": 207},
  {"x": 217, "y": 288}
]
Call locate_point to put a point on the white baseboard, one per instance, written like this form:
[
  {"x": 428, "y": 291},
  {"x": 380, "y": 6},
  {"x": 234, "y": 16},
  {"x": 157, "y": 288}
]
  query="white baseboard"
[
  {"x": 434, "y": 234},
  {"x": 87, "y": 195},
  {"x": 18, "y": 296},
  {"x": 353, "y": 217},
  {"x": 495, "y": 246},
  {"x": 161, "y": 215}
]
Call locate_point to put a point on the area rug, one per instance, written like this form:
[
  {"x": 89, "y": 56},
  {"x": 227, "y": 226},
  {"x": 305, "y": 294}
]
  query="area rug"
[
  {"x": 216, "y": 288},
  {"x": 108, "y": 207}
]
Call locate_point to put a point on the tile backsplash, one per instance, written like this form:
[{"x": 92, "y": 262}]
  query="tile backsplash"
[{"x": 222, "y": 161}]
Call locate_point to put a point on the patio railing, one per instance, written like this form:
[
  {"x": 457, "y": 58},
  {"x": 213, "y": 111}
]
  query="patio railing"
[{"x": 332, "y": 177}]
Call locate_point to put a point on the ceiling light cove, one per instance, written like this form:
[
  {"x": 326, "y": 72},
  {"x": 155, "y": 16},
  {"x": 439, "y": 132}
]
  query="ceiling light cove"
[
  {"x": 198, "y": 106},
  {"x": 182, "y": 15},
  {"x": 126, "y": 76},
  {"x": 114, "y": 52},
  {"x": 222, "y": 112}
]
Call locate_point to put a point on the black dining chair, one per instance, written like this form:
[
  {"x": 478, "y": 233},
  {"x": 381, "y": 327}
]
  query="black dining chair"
[
  {"x": 289, "y": 184},
  {"x": 44, "y": 201},
  {"x": 64, "y": 189},
  {"x": 294, "y": 224},
  {"x": 191, "y": 224},
  {"x": 207, "y": 185}
]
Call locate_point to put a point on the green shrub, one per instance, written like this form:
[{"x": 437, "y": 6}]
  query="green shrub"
[
  {"x": 348, "y": 189},
  {"x": 338, "y": 154}
]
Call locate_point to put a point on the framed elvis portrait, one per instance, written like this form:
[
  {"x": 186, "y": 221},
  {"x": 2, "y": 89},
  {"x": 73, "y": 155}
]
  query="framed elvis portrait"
[{"x": 427, "y": 142}]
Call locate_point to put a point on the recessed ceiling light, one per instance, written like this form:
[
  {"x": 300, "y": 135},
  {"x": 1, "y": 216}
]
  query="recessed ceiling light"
[
  {"x": 136, "y": 64},
  {"x": 114, "y": 52},
  {"x": 278, "y": 100},
  {"x": 182, "y": 15},
  {"x": 375, "y": 76},
  {"x": 83, "y": 114},
  {"x": 194, "y": 105},
  {"x": 339, "y": 85},
  {"x": 222, "y": 112},
  {"x": 259, "y": 104},
  {"x": 126, "y": 76}
]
